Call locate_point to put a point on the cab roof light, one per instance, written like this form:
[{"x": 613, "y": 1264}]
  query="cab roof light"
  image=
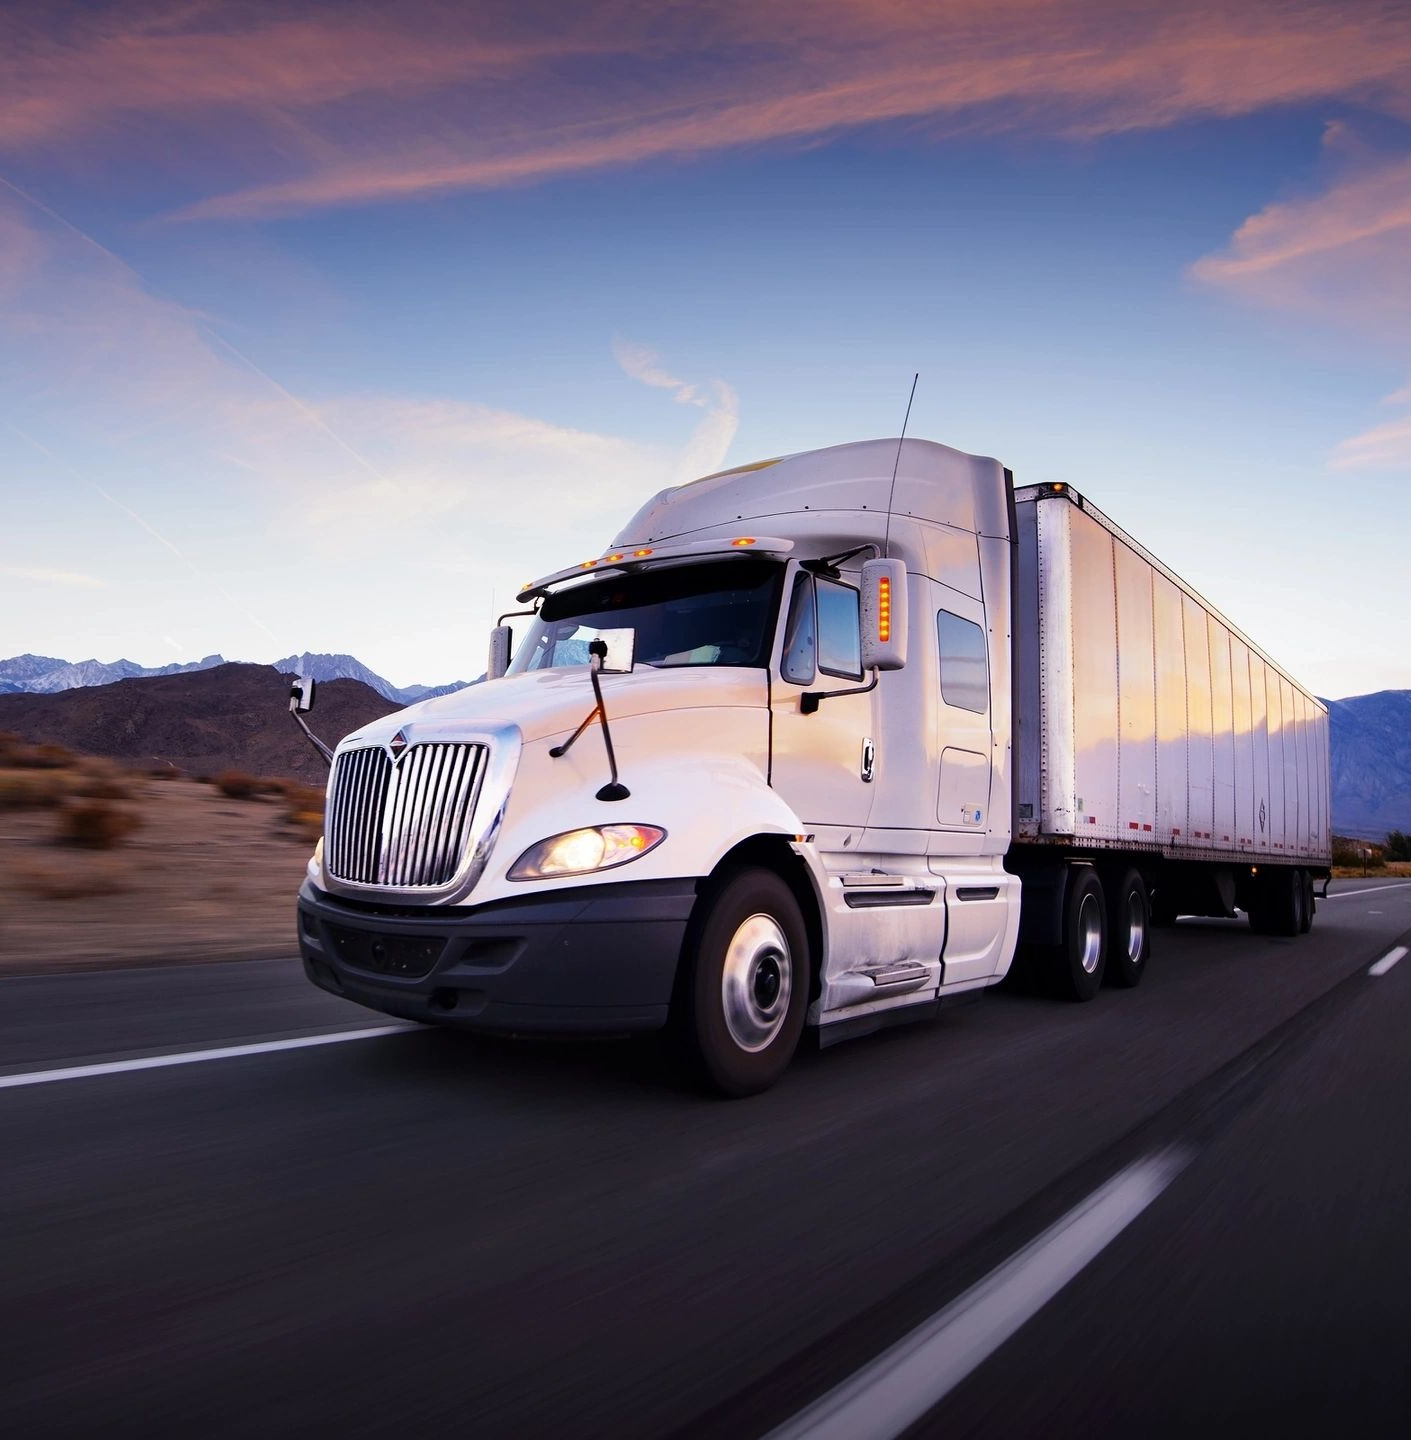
[
  {"x": 743, "y": 540},
  {"x": 641, "y": 554}
]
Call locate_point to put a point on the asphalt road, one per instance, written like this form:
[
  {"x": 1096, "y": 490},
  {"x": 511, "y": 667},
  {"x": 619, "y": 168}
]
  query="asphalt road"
[{"x": 1184, "y": 1208}]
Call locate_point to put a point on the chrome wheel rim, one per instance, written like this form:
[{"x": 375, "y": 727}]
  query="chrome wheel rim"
[
  {"x": 756, "y": 982},
  {"x": 1090, "y": 933},
  {"x": 1136, "y": 927}
]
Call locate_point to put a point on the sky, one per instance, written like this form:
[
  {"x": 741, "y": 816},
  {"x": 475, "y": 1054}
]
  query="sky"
[{"x": 327, "y": 326}]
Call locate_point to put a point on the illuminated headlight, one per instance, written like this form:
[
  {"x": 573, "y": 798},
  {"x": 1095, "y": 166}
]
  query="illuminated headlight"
[{"x": 576, "y": 852}]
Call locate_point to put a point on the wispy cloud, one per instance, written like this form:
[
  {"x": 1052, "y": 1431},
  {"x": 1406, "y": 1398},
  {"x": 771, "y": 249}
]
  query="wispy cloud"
[
  {"x": 41, "y": 575},
  {"x": 1385, "y": 447},
  {"x": 1341, "y": 255},
  {"x": 707, "y": 447}
]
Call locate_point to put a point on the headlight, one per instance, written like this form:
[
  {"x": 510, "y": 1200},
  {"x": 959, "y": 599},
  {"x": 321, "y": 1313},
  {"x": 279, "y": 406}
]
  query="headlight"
[{"x": 576, "y": 852}]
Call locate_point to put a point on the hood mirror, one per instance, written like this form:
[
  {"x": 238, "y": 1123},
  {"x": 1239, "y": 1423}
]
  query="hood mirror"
[{"x": 618, "y": 652}]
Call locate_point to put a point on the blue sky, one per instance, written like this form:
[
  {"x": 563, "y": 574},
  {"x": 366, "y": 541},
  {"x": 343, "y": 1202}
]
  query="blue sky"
[{"x": 324, "y": 327}]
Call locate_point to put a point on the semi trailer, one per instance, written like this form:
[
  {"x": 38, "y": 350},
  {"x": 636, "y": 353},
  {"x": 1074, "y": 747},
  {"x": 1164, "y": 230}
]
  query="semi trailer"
[{"x": 822, "y": 742}]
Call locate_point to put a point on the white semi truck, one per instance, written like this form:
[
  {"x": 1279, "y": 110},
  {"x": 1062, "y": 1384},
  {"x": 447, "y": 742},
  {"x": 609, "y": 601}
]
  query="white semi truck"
[{"x": 820, "y": 742}]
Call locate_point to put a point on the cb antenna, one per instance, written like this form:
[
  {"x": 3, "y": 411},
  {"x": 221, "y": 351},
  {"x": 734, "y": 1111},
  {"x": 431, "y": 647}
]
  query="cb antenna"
[{"x": 896, "y": 465}]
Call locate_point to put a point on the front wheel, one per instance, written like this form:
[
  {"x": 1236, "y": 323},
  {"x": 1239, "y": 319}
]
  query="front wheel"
[{"x": 747, "y": 988}]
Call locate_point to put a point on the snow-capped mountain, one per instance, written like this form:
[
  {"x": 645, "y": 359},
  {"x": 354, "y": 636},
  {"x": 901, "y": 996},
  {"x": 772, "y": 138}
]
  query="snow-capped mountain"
[
  {"x": 349, "y": 667},
  {"x": 48, "y": 675},
  {"x": 74, "y": 676}
]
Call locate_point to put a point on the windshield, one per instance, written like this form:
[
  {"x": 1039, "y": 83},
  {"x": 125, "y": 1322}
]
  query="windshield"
[{"x": 721, "y": 613}]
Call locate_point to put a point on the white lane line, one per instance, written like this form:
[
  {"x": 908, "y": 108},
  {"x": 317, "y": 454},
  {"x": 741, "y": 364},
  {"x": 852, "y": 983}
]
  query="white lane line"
[
  {"x": 195, "y": 1057},
  {"x": 895, "y": 1390},
  {"x": 1370, "y": 890},
  {"x": 1388, "y": 960}
]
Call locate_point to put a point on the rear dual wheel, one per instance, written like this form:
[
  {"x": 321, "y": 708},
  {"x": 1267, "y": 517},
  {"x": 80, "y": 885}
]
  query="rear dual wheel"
[
  {"x": 1128, "y": 930},
  {"x": 1077, "y": 966}
]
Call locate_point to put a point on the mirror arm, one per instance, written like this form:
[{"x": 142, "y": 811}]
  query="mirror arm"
[
  {"x": 568, "y": 744},
  {"x": 614, "y": 789},
  {"x": 808, "y": 701},
  {"x": 318, "y": 744}
]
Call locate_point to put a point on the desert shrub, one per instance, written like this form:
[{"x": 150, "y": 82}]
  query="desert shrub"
[
  {"x": 303, "y": 809},
  {"x": 42, "y": 757},
  {"x": 99, "y": 780},
  {"x": 96, "y": 824},
  {"x": 32, "y": 789},
  {"x": 67, "y": 879},
  {"x": 237, "y": 785},
  {"x": 9, "y": 743},
  {"x": 1398, "y": 845},
  {"x": 162, "y": 770}
]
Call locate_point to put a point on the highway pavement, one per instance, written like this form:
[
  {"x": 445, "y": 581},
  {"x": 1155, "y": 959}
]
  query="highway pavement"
[{"x": 232, "y": 1205}]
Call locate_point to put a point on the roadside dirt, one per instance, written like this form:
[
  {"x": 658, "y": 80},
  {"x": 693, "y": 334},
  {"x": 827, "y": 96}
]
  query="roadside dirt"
[{"x": 204, "y": 877}]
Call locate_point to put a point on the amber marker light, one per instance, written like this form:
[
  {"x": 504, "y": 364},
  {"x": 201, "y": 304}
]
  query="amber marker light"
[
  {"x": 884, "y": 610},
  {"x": 640, "y": 554},
  {"x": 743, "y": 540},
  {"x": 612, "y": 559}
]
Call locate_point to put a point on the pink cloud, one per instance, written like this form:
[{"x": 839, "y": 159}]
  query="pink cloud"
[{"x": 425, "y": 99}]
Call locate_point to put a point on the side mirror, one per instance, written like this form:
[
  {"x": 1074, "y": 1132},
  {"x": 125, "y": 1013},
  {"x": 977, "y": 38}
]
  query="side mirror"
[
  {"x": 884, "y": 614},
  {"x": 617, "y": 652},
  {"x": 499, "y": 661},
  {"x": 301, "y": 694}
]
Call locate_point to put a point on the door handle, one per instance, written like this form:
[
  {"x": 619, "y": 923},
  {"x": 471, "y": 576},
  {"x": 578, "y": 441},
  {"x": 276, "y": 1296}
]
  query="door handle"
[{"x": 869, "y": 760}]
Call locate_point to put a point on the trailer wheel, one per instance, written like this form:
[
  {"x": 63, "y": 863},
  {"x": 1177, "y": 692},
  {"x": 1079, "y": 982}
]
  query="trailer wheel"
[
  {"x": 1082, "y": 957},
  {"x": 1310, "y": 903},
  {"x": 1276, "y": 907},
  {"x": 1298, "y": 898},
  {"x": 1128, "y": 931},
  {"x": 747, "y": 990}
]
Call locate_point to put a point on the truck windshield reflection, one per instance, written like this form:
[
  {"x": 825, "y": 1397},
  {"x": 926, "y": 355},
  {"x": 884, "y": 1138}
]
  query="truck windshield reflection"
[{"x": 720, "y": 613}]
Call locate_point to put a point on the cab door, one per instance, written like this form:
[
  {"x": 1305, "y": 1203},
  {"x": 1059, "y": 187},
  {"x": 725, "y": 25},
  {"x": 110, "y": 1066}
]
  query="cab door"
[{"x": 822, "y": 762}]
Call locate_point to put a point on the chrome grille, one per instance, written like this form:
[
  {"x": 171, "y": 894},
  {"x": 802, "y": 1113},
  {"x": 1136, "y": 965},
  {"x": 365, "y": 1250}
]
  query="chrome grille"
[{"x": 405, "y": 824}]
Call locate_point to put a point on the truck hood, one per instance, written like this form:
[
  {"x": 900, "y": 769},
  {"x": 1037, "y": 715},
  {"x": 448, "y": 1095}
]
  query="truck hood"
[{"x": 546, "y": 702}]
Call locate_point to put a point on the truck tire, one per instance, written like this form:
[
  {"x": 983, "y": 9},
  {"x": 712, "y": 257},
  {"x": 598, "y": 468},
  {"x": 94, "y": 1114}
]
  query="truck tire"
[
  {"x": 1128, "y": 930},
  {"x": 1276, "y": 907},
  {"x": 746, "y": 988},
  {"x": 1078, "y": 965},
  {"x": 1310, "y": 903}
]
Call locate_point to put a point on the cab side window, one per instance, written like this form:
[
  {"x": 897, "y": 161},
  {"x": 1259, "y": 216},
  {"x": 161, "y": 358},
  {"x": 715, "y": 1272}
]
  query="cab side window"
[
  {"x": 800, "y": 634},
  {"x": 839, "y": 630},
  {"x": 965, "y": 671}
]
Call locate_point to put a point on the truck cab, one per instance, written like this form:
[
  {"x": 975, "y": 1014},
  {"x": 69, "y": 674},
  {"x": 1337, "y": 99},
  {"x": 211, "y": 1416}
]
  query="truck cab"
[{"x": 747, "y": 771}]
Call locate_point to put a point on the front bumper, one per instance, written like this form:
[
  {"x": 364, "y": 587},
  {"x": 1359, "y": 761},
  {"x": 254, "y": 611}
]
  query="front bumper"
[{"x": 592, "y": 958}]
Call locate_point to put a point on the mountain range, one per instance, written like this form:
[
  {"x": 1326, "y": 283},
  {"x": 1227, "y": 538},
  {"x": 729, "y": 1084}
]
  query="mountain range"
[
  {"x": 47, "y": 675},
  {"x": 224, "y": 717}
]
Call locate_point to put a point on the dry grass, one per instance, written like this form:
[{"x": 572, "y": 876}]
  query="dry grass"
[
  {"x": 69, "y": 879},
  {"x": 1399, "y": 868}
]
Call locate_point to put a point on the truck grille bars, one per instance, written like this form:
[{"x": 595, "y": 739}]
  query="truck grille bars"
[{"x": 402, "y": 824}]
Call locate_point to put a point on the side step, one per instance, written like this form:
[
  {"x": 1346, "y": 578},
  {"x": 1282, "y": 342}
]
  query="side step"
[{"x": 893, "y": 979}]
